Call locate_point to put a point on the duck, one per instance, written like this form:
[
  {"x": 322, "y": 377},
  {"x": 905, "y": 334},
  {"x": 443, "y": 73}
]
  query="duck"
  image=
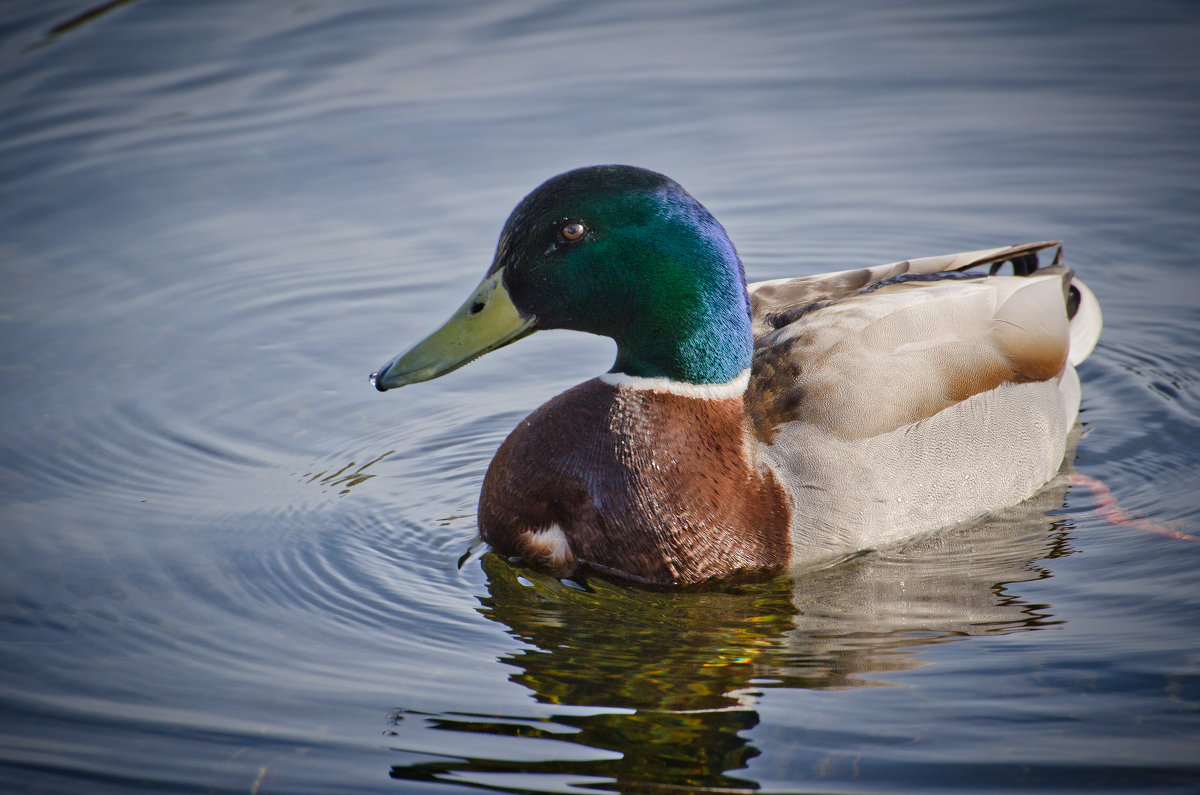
[{"x": 745, "y": 430}]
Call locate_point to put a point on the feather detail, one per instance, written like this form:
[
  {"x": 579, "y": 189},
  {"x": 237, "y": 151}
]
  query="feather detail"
[
  {"x": 1085, "y": 325},
  {"x": 884, "y": 347}
]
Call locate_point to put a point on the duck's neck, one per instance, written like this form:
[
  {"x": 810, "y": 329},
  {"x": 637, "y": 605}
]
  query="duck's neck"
[
  {"x": 711, "y": 350},
  {"x": 691, "y": 324}
]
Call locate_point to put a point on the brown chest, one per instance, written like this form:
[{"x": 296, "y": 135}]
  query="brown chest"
[{"x": 646, "y": 484}]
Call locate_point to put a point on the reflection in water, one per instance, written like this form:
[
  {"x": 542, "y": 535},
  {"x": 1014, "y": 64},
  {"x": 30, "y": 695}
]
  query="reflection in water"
[
  {"x": 348, "y": 476},
  {"x": 660, "y": 688},
  {"x": 220, "y": 214},
  {"x": 81, "y": 19}
]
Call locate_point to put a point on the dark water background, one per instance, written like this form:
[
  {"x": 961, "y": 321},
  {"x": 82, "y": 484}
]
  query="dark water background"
[{"x": 228, "y": 565}]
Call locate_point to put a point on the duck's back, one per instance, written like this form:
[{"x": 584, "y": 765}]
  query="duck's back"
[{"x": 901, "y": 399}]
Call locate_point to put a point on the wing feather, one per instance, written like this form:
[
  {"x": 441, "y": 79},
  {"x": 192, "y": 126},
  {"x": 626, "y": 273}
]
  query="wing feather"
[
  {"x": 869, "y": 353},
  {"x": 774, "y": 297}
]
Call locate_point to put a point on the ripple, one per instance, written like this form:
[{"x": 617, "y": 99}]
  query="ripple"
[
  {"x": 129, "y": 449},
  {"x": 229, "y": 564},
  {"x": 356, "y": 577},
  {"x": 1141, "y": 405}
]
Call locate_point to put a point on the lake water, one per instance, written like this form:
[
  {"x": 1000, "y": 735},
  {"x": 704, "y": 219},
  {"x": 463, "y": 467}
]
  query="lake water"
[{"x": 227, "y": 564}]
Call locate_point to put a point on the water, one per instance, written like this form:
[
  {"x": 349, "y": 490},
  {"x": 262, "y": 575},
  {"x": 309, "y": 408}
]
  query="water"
[{"x": 228, "y": 564}]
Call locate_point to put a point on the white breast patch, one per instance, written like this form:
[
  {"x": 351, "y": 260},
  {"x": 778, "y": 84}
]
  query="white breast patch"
[{"x": 548, "y": 545}]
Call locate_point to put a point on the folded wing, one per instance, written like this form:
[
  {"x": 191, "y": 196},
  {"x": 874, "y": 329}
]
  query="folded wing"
[{"x": 863, "y": 352}]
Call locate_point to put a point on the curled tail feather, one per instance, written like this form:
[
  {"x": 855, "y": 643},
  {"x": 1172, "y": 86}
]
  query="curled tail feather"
[{"x": 1086, "y": 322}]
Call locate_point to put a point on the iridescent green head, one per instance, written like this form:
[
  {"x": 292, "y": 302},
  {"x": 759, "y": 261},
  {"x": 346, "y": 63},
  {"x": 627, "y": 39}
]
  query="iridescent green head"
[{"x": 613, "y": 250}]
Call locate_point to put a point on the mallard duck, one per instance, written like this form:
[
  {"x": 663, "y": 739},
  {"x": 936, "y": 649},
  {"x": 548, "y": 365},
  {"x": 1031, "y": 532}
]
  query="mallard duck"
[{"x": 744, "y": 429}]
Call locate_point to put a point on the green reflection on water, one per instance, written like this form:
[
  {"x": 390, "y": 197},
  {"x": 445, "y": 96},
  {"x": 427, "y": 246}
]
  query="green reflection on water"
[{"x": 650, "y": 689}]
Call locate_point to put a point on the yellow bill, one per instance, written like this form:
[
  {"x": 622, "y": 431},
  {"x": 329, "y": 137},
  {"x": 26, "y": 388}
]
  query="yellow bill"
[{"x": 486, "y": 321}]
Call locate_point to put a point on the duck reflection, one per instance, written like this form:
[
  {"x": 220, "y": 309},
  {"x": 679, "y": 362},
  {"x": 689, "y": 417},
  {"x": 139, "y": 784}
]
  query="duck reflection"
[{"x": 659, "y": 688}]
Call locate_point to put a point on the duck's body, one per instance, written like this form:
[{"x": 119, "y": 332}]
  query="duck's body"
[{"x": 749, "y": 430}]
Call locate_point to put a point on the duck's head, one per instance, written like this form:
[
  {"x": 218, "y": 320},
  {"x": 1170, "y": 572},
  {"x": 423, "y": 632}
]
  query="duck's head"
[{"x": 613, "y": 250}]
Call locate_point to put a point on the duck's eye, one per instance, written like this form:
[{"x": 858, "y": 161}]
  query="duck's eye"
[{"x": 572, "y": 231}]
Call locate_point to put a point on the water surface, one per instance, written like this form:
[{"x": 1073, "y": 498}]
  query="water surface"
[{"x": 229, "y": 565}]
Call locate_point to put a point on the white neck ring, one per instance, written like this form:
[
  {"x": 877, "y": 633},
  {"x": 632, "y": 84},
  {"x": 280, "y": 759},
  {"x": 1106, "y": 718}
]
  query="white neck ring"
[{"x": 729, "y": 389}]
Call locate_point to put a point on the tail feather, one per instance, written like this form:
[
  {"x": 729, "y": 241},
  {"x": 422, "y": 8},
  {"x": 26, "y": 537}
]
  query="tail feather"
[
  {"x": 1083, "y": 310},
  {"x": 1086, "y": 322}
]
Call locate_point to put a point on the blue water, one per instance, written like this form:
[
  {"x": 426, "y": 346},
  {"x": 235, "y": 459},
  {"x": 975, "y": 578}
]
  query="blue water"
[{"x": 229, "y": 565}]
